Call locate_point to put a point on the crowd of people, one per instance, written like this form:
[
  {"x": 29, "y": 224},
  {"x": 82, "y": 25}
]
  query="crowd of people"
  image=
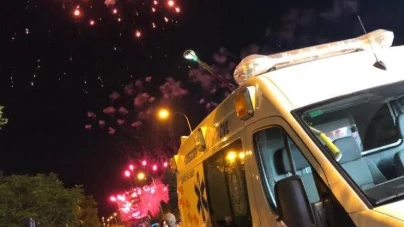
[{"x": 169, "y": 220}]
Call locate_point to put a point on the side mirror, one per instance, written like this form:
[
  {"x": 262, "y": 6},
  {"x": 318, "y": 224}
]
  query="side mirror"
[
  {"x": 293, "y": 204},
  {"x": 173, "y": 163}
]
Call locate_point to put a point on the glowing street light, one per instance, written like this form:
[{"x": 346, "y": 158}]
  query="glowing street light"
[
  {"x": 131, "y": 167},
  {"x": 141, "y": 176},
  {"x": 191, "y": 55},
  {"x": 165, "y": 164},
  {"x": 165, "y": 113},
  {"x": 127, "y": 173},
  {"x": 154, "y": 167},
  {"x": 144, "y": 163}
]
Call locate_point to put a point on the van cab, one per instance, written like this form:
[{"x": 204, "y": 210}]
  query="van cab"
[{"x": 311, "y": 137}]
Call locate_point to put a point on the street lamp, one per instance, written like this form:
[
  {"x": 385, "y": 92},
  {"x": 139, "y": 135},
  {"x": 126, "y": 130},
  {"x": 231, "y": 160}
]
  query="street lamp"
[
  {"x": 191, "y": 55},
  {"x": 165, "y": 113}
]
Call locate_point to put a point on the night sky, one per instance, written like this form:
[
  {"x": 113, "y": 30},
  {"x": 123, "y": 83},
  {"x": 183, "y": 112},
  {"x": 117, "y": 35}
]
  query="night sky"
[{"x": 60, "y": 61}]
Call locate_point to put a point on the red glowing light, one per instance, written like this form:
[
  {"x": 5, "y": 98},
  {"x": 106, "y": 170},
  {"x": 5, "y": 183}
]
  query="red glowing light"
[
  {"x": 119, "y": 19},
  {"x": 165, "y": 164},
  {"x": 154, "y": 25},
  {"x": 153, "y": 9},
  {"x": 171, "y": 3},
  {"x": 114, "y": 11},
  {"x": 92, "y": 22},
  {"x": 138, "y": 34},
  {"x": 112, "y": 198},
  {"x": 166, "y": 19},
  {"x": 154, "y": 167},
  {"x": 77, "y": 12},
  {"x": 177, "y": 9},
  {"x": 127, "y": 173},
  {"x": 155, "y": 2},
  {"x": 131, "y": 167},
  {"x": 144, "y": 163}
]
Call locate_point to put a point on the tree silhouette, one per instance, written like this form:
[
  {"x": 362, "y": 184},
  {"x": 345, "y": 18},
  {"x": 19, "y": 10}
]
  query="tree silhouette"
[{"x": 42, "y": 198}]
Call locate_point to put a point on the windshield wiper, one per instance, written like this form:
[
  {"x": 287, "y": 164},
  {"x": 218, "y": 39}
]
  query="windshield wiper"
[{"x": 386, "y": 191}]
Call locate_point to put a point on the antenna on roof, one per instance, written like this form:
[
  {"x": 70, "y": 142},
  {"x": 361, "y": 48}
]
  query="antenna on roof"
[{"x": 378, "y": 64}]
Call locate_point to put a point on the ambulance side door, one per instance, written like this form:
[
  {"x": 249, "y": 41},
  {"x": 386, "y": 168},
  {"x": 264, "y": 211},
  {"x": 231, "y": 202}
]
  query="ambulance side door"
[{"x": 270, "y": 162}]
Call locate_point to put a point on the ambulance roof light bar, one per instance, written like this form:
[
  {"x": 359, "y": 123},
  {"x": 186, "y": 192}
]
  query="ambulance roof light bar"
[{"x": 255, "y": 64}]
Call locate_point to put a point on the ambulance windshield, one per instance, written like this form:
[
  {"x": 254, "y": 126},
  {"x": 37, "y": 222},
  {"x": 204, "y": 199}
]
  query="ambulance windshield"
[{"x": 363, "y": 132}]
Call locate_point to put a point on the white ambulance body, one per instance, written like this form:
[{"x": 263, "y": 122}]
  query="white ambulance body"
[{"x": 312, "y": 137}]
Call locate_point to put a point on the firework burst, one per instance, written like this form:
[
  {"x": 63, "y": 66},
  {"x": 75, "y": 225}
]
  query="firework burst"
[{"x": 138, "y": 17}]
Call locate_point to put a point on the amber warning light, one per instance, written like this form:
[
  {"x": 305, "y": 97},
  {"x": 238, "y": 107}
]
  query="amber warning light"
[{"x": 244, "y": 103}]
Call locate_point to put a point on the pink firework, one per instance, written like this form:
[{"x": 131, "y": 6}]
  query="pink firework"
[{"x": 137, "y": 202}]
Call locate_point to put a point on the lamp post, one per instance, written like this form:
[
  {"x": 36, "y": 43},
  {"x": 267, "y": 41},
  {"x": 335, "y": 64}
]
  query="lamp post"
[
  {"x": 165, "y": 113},
  {"x": 116, "y": 220},
  {"x": 191, "y": 55}
]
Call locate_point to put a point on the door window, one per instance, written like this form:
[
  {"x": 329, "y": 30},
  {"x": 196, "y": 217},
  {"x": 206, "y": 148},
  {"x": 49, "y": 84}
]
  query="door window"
[
  {"x": 226, "y": 184},
  {"x": 276, "y": 163}
]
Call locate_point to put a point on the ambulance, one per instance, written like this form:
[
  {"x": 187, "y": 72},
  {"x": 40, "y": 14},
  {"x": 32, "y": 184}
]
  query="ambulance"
[{"x": 311, "y": 137}]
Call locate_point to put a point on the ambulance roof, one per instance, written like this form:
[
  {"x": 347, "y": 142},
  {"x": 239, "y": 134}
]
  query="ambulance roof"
[
  {"x": 312, "y": 74},
  {"x": 300, "y": 83},
  {"x": 319, "y": 80}
]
